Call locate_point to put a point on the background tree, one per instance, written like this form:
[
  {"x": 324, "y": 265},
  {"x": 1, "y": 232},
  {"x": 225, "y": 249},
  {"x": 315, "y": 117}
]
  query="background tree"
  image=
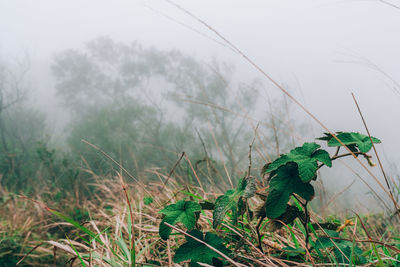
[
  {"x": 22, "y": 132},
  {"x": 144, "y": 107}
]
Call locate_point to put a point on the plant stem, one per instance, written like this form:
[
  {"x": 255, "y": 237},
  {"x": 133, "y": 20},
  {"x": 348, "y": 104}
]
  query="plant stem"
[
  {"x": 334, "y": 157},
  {"x": 337, "y": 151},
  {"x": 258, "y": 233},
  {"x": 347, "y": 154},
  {"x": 307, "y": 220}
]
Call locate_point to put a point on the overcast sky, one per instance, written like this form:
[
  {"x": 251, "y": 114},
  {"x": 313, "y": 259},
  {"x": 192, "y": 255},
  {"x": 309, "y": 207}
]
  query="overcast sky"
[{"x": 321, "y": 49}]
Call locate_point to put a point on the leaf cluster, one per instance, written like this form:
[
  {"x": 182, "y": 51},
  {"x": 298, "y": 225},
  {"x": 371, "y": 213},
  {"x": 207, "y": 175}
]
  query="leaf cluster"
[
  {"x": 356, "y": 142},
  {"x": 289, "y": 175}
]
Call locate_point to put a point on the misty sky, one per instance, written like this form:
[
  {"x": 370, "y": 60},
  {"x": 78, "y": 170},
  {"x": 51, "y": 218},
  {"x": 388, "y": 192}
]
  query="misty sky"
[{"x": 322, "y": 50}]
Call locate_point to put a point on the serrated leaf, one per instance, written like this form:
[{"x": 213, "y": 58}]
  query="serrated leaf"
[
  {"x": 230, "y": 200},
  {"x": 326, "y": 137},
  {"x": 285, "y": 182},
  {"x": 165, "y": 231},
  {"x": 322, "y": 156},
  {"x": 197, "y": 252},
  {"x": 306, "y": 157},
  {"x": 250, "y": 188},
  {"x": 307, "y": 170},
  {"x": 183, "y": 212},
  {"x": 363, "y": 142},
  {"x": 223, "y": 204}
]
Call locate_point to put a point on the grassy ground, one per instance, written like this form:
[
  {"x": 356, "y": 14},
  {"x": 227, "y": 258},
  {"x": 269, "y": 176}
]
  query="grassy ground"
[{"x": 98, "y": 231}]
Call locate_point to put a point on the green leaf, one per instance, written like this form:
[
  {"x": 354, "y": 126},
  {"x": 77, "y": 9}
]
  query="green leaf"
[
  {"x": 76, "y": 225},
  {"x": 323, "y": 156},
  {"x": 345, "y": 247},
  {"x": 223, "y": 204},
  {"x": 197, "y": 252},
  {"x": 183, "y": 212},
  {"x": 326, "y": 137},
  {"x": 290, "y": 214},
  {"x": 285, "y": 182},
  {"x": 306, "y": 157},
  {"x": 248, "y": 186},
  {"x": 363, "y": 142},
  {"x": 277, "y": 203},
  {"x": 231, "y": 200},
  {"x": 164, "y": 230},
  {"x": 148, "y": 200},
  {"x": 294, "y": 251}
]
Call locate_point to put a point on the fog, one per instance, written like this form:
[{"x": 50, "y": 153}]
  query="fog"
[{"x": 321, "y": 51}]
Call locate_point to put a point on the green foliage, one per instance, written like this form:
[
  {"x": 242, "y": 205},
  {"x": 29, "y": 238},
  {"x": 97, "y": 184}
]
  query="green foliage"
[
  {"x": 352, "y": 140},
  {"x": 233, "y": 200},
  {"x": 197, "y": 252},
  {"x": 121, "y": 253},
  {"x": 79, "y": 215},
  {"x": 134, "y": 134},
  {"x": 104, "y": 84},
  {"x": 22, "y": 135},
  {"x": 13, "y": 246},
  {"x": 28, "y": 161},
  {"x": 292, "y": 173},
  {"x": 10, "y": 246},
  {"x": 148, "y": 200},
  {"x": 75, "y": 224},
  {"x": 344, "y": 250},
  {"x": 115, "y": 76},
  {"x": 306, "y": 157},
  {"x": 284, "y": 183},
  {"x": 290, "y": 176},
  {"x": 181, "y": 212},
  {"x": 292, "y": 252}
]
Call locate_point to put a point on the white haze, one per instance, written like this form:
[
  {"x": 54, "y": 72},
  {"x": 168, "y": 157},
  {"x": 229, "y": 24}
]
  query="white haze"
[{"x": 322, "y": 50}]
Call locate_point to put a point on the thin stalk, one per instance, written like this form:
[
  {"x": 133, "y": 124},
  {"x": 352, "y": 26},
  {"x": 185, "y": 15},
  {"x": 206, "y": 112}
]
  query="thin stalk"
[
  {"x": 132, "y": 237},
  {"x": 377, "y": 156}
]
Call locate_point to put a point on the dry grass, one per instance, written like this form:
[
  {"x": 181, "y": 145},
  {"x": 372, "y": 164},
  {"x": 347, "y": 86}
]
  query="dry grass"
[{"x": 110, "y": 221}]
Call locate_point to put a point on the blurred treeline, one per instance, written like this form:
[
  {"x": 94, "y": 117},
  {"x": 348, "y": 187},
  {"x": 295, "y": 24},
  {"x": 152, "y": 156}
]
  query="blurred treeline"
[{"x": 141, "y": 106}]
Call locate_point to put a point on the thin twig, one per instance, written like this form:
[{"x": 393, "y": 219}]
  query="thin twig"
[
  {"x": 29, "y": 252},
  {"x": 172, "y": 170},
  {"x": 250, "y": 147},
  {"x": 376, "y": 154}
]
